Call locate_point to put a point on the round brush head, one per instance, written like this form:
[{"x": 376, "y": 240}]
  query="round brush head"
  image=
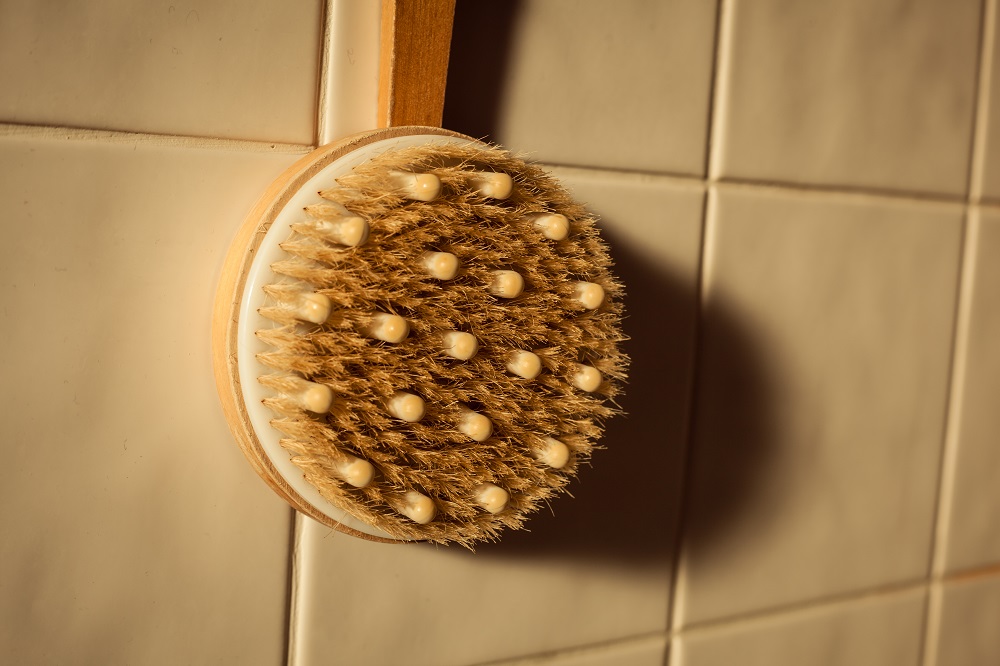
[{"x": 418, "y": 337}]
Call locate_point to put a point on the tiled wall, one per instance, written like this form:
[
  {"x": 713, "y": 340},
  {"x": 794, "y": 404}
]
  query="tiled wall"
[{"x": 802, "y": 197}]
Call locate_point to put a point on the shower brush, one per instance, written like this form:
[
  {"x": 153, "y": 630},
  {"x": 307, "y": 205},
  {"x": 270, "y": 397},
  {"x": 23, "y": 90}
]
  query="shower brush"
[{"x": 417, "y": 337}]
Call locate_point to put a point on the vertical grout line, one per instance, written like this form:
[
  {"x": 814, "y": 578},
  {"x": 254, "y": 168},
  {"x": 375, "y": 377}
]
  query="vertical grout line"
[
  {"x": 712, "y": 155},
  {"x": 961, "y": 314},
  {"x": 323, "y": 101},
  {"x": 949, "y": 454},
  {"x": 294, "y": 572},
  {"x": 718, "y": 102},
  {"x": 982, "y": 104}
]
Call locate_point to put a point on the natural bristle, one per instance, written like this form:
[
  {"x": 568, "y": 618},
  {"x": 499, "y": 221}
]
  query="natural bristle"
[{"x": 471, "y": 346}]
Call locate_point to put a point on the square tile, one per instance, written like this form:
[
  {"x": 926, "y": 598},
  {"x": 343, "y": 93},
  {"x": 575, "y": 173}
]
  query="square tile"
[
  {"x": 222, "y": 68},
  {"x": 859, "y": 93},
  {"x": 970, "y": 615},
  {"x": 872, "y": 632},
  {"x": 973, "y": 530},
  {"x": 134, "y": 530},
  {"x": 822, "y": 389},
  {"x": 599, "y": 568},
  {"x": 613, "y": 84}
]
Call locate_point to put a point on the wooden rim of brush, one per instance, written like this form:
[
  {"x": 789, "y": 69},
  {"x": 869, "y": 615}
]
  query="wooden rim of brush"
[{"x": 232, "y": 284}]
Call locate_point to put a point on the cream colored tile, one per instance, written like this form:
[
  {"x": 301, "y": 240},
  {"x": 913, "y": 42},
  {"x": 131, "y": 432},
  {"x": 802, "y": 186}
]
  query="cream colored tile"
[
  {"x": 614, "y": 84},
  {"x": 873, "y": 632},
  {"x": 822, "y": 392},
  {"x": 222, "y": 68},
  {"x": 861, "y": 93},
  {"x": 599, "y": 569},
  {"x": 134, "y": 530},
  {"x": 970, "y": 615},
  {"x": 973, "y": 530},
  {"x": 640, "y": 652}
]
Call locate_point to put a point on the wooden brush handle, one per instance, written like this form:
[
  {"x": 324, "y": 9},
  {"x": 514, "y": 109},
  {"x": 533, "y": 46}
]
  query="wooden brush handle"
[{"x": 413, "y": 61}]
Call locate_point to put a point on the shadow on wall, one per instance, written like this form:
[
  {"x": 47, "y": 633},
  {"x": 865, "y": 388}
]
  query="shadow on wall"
[{"x": 625, "y": 508}]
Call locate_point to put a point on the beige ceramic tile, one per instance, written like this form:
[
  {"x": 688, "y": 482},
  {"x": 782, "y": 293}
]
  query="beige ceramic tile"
[
  {"x": 873, "y": 632},
  {"x": 222, "y": 68},
  {"x": 822, "y": 392},
  {"x": 861, "y": 93},
  {"x": 599, "y": 569},
  {"x": 973, "y": 529},
  {"x": 620, "y": 84},
  {"x": 640, "y": 652},
  {"x": 970, "y": 615},
  {"x": 133, "y": 529}
]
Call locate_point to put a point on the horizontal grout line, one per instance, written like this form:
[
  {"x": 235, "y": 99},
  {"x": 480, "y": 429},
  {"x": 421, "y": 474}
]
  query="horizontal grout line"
[
  {"x": 541, "y": 658},
  {"x": 788, "y": 611},
  {"x": 145, "y": 138},
  {"x": 686, "y": 180},
  {"x": 792, "y": 609},
  {"x": 836, "y": 601}
]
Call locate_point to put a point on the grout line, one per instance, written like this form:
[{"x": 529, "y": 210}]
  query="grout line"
[
  {"x": 718, "y": 97},
  {"x": 949, "y": 453},
  {"x": 987, "y": 40},
  {"x": 294, "y": 572},
  {"x": 580, "y": 650},
  {"x": 678, "y": 589},
  {"x": 861, "y": 193},
  {"x": 795, "y": 609},
  {"x": 323, "y": 93},
  {"x": 146, "y": 138},
  {"x": 677, "y": 180}
]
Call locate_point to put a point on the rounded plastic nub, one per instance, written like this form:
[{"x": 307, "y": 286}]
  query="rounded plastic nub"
[
  {"x": 416, "y": 186},
  {"x": 553, "y": 453},
  {"x": 492, "y": 185},
  {"x": 492, "y": 498},
  {"x": 589, "y": 294},
  {"x": 524, "y": 364},
  {"x": 506, "y": 284},
  {"x": 310, "y": 396},
  {"x": 355, "y": 471},
  {"x": 459, "y": 344},
  {"x": 312, "y": 307},
  {"x": 406, "y": 406},
  {"x": 350, "y": 231},
  {"x": 387, "y": 327},
  {"x": 553, "y": 226},
  {"x": 418, "y": 507},
  {"x": 475, "y": 426},
  {"x": 586, "y": 378},
  {"x": 440, "y": 265}
]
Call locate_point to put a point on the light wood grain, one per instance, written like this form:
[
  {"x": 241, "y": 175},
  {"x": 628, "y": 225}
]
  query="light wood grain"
[{"x": 413, "y": 61}]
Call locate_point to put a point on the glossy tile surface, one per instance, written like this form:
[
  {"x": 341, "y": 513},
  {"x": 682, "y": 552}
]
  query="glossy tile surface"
[
  {"x": 859, "y": 93},
  {"x": 221, "y": 68},
  {"x": 822, "y": 388},
  {"x": 134, "y": 530},
  {"x": 968, "y": 630},
  {"x": 600, "y": 568},
  {"x": 973, "y": 530},
  {"x": 615, "y": 84},
  {"x": 872, "y": 632}
]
